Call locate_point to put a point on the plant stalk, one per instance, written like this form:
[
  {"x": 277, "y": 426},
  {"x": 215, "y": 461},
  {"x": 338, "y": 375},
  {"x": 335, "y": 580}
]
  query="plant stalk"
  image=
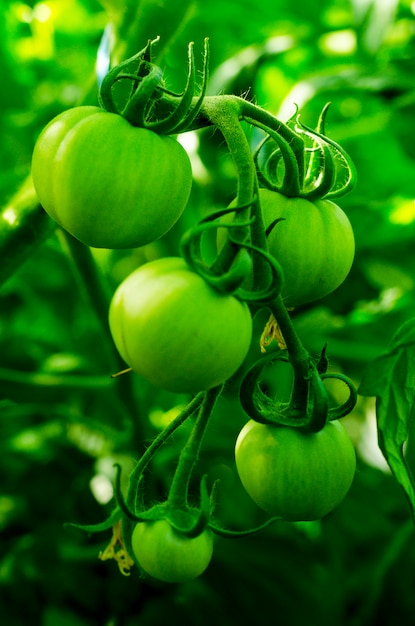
[
  {"x": 297, "y": 355},
  {"x": 180, "y": 485}
]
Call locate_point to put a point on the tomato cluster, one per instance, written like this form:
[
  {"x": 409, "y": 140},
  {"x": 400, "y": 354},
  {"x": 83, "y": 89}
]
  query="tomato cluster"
[{"x": 114, "y": 185}]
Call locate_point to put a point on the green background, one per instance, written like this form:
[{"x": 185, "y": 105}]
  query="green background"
[{"x": 62, "y": 425}]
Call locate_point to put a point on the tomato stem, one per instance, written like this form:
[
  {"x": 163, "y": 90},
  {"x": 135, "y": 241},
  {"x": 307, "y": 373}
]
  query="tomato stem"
[
  {"x": 298, "y": 357},
  {"x": 225, "y": 113},
  {"x": 145, "y": 459},
  {"x": 179, "y": 488}
]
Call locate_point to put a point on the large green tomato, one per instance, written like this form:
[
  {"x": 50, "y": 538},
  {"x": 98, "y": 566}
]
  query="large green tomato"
[
  {"x": 295, "y": 475},
  {"x": 109, "y": 184},
  {"x": 165, "y": 554},
  {"x": 313, "y": 242},
  {"x": 175, "y": 330}
]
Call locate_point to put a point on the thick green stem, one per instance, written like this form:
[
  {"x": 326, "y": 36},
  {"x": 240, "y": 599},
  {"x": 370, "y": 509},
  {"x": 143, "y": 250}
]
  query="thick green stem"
[
  {"x": 145, "y": 459},
  {"x": 252, "y": 113},
  {"x": 298, "y": 357},
  {"x": 255, "y": 115},
  {"x": 180, "y": 485},
  {"x": 225, "y": 113}
]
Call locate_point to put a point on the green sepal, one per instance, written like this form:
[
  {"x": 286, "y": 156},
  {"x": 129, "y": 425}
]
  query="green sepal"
[
  {"x": 268, "y": 176},
  {"x": 200, "y": 516},
  {"x": 265, "y": 410},
  {"x": 322, "y": 170},
  {"x": 238, "y": 534},
  {"x": 323, "y": 362},
  {"x": 115, "y": 516},
  {"x": 150, "y": 105},
  {"x": 187, "y": 521},
  {"x": 188, "y": 108},
  {"x": 231, "y": 280},
  {"x": 344, "y": 409},
  {"x": 225, "y": 281},
  {"x": 105, "y": 95},
  {"x": 137, "y": 108},
  {"x": 336, "y": 174},
  {"x": 256, "y": 404},
  {"x": 191, "y": 121}
]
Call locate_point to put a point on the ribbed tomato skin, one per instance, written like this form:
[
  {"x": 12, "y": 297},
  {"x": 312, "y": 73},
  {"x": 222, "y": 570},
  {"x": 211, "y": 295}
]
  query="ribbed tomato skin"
[
  {"x": 109, "y": 184},
  {"x": 295, "y": 475},
  {"x": 312, "y": 241}
]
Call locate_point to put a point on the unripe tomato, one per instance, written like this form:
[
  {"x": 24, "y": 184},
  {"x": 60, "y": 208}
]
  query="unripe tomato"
[
  {"x": 313, "y": 242},
  {"x": 295, "y": 475},
  {"x": 175, "y": 330},
  {"x": 109, "y": 184},
  {"x": 165, "y": 554}
]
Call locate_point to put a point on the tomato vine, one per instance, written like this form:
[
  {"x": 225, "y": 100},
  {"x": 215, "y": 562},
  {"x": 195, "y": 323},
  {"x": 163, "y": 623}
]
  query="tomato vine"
[{"x": 185, "y": 324}]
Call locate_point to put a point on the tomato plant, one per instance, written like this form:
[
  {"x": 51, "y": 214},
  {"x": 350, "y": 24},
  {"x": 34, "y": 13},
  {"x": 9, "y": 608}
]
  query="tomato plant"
[
  {"x": 175, "y": 330},
  {"x": 292, "y": 474},
  {"x": 108, "y": 183},
  {"x": 169, "y": 556},
  {"x": 66, "y": 421},
  {"x": 312, "y": 241}
]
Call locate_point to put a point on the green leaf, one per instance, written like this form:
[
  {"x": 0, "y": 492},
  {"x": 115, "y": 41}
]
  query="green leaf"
[{"x": 391, "y": 378}]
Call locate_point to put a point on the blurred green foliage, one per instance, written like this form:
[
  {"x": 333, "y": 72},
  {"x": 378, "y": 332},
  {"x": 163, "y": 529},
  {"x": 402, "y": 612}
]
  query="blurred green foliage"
[{"x": 62, "y": 424}]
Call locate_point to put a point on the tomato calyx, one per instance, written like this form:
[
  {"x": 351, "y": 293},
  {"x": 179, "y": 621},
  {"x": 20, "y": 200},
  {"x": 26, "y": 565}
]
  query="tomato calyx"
[
  {"x": 321, "y": 170},
  {"x": 238, "y": 534},
  {"x": 308, "y": 414},
  {"x": 186, "y": 520},
  {"x": 191, "y": 522},
  {"x": 150, "y": 104}
]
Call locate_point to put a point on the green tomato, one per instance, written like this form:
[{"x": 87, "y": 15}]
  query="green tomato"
[
  {"x": 109, "y": 184},
  {"x": 292, "y": 474},
  {"x": 175, "y": 330},
  {"x": 169, "y": 556},
  {"x": 313, "y": 242}
]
